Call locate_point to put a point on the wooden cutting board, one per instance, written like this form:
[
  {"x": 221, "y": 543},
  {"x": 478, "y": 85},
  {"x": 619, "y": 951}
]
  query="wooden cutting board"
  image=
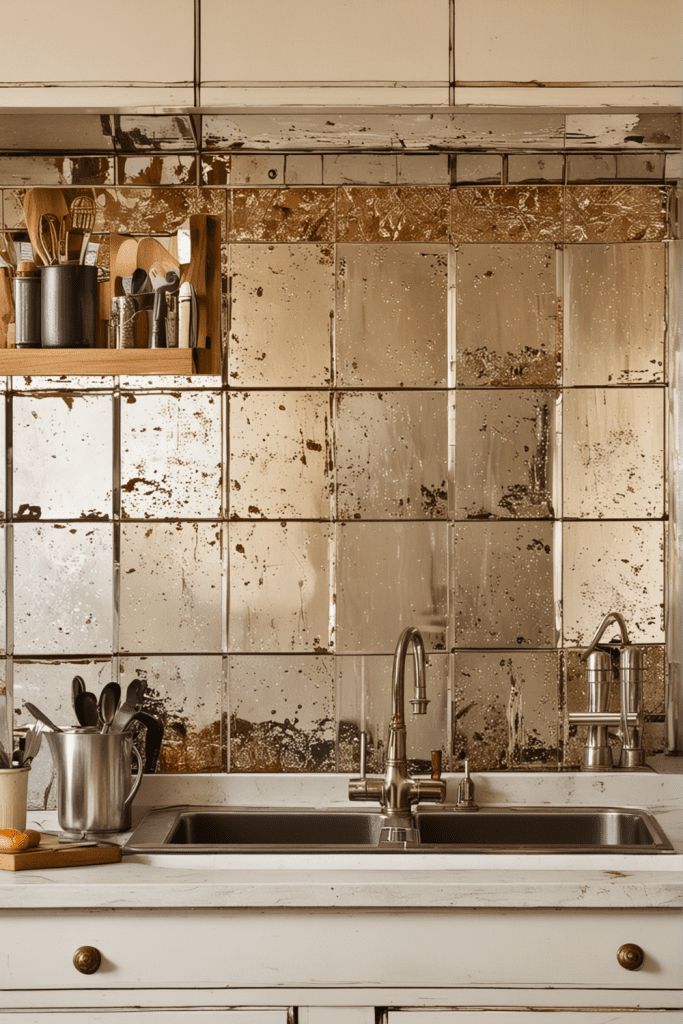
[{"x": 53, "y": 854}]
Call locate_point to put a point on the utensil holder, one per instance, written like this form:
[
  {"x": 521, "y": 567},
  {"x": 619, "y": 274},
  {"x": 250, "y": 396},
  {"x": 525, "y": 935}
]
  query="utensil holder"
[
  {"x": 13, "y": 797},
  {"x": 68, "y": 294},
  {"x": 95, "y": 786}
]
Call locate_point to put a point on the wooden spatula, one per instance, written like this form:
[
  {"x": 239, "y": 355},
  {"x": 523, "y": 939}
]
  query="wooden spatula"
[{"x": 38, "y": 201}]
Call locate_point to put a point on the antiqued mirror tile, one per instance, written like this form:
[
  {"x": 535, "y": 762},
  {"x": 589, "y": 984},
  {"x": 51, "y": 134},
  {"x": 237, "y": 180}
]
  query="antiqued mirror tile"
[
  {"x": 614, "y": 314},
  {"x": 63, "y": 456},
  {"x": 280, "y": 455},
  {"x": 391, "y": 455},
  {"x": 392, "y": 316},
  {"x": 171, "y": 587},
  {"x": 63, "y": 588},
  {"x": 535, "y": 168},
  {"x": 101, "y": 382},
  {"x": 168, "y": 382},
  {"x": 507, "y": 325},
  {"x": 215, "y": 168},
  {"x": 507, "y": 213},
  {"x": 142, "y": 211},
  {"x": 506, "y": 709},
  {"x": 613, "y": 463},
  {"x": 282, "y": 713},
  {"x": 390, "y": 576},
  {"x": 282, "y": 215},
  {"x": 136, "y": 133},
  {"x": 504, "y": 591},
  {"x": 282, "y": 304},
  {"x": 483, "y": 168},
  {"x": 420, "y": 169},
  {"x": 634, "y": 131},
  {"x": 171, "y": 453},
  {"x": 258, "y": 169},
  {"x": 360, "y": 168},
  {"x": 504, "y": 454},
  {"x": 615, "y": 213},
  {"x": 186, "y": 693},
  {"x": 613, "y": 566},
  {"x": 409, "y": 213},
  {"x": 175, "y": 169},
  {"x": 641, "y": 166},
  {"x": 576, "y": 698},
  {"x": 279, "y": 587},
  {"x": 585, "y": 167},
  {"x": 304, "y": 169},
  {"x": 29, "y": 171},
  {"x": 47, "y": 684},
  {"x": 364, "y": 703}
]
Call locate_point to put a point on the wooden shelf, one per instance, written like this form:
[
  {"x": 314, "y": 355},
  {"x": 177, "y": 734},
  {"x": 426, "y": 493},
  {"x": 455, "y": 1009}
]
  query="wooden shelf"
[{"x": 72, "y": 362}]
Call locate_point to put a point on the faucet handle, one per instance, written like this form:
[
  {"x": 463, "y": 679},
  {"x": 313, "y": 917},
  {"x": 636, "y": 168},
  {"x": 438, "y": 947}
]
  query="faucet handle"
[{"x": 436, "y": 764}]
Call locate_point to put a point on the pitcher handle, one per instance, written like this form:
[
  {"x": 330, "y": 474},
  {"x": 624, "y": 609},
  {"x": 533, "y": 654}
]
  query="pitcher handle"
[{"x": 137, "y": 780}]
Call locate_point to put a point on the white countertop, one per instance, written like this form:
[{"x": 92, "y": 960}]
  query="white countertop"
[{"x": 377, "y": 880}]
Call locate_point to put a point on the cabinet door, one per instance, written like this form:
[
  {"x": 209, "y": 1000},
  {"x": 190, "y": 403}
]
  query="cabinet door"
[
  {"x": 531, "y": 1016},
  {"x": 91, "y": 53},
  {"x": 303, "y": 51},
  {"x": 243, "y": 1016}
]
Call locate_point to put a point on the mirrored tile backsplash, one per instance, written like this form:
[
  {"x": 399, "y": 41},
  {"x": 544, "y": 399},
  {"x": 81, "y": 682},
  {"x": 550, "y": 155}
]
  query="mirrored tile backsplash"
[{"x": 442, "y": 406}]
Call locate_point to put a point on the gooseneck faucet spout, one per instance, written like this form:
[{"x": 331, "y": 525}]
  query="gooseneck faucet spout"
[{"x": 398, "y": 791}]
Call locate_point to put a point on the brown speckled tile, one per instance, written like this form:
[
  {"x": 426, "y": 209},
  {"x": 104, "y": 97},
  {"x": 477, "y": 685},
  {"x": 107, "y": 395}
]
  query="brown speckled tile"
[
  {"x": 506, "y": 709},
  {"x": 178, "y": 169},
  {"x": 504, "y": 587},
  {"x": 508, "y": 329},
  {"x": 507, "y": 213},
  {"x": 282, "y": 713},
  {"x": 282, "y": 215},
  {"x": 575, "y": 698},
  {"x": 410, "y": 213},
  {"x": 615, "y": 213},
  {"x": 186, "y": 692}
]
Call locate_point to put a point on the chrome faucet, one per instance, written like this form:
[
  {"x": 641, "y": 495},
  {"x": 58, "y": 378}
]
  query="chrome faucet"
[
  {"x": 397, "y": 791},
  {"x": 604, "y": 663}
]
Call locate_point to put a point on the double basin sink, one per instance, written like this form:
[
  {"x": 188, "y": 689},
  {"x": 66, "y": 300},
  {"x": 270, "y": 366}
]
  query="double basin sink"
[{"x": 443, "y": 830}]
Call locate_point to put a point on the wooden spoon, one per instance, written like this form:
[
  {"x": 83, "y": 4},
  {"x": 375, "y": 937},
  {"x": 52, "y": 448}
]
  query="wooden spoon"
[
  {"x": 6, "y": 305},
  {"x": 38, "y": 201},
  {"x": 151, "y": 251}
]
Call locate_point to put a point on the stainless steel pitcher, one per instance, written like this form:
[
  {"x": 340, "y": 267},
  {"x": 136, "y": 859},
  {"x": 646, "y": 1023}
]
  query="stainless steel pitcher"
[{"x": 95, "y": 786}]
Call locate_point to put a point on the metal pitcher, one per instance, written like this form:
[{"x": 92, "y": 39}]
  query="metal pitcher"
[{"x": 95, "y": 787}]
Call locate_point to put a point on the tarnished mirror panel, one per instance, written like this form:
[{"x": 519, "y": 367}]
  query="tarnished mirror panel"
[
  {"x": 507, "y": 325},
  {"x": 505, "y": 454},
  {"x": 391, "y": 316},
  {"x": 63, "y": 454},
  {"x": 279, "y": 587},
  {"x": 186, "y": 692},
  {"x": 614, "y": 312},
  {"x": 63, "y": 588},
  {"x": 282, "y": 713},
  {"x": 504, "y": 589},
  {"x": 47, "y": 684},
  {"x": 171, "y": 587},
  {"x": 613, "y": 565},
  {"x": 391, "y": 453},
  {"x": 364, "y": 695},
  {"x": 373, "y": 605},
  {"x": 613, "y": 453},
  {"x": 282, "y": 301},
  {"x": 506, "y": 709},
  {"x": 171, "y": 455},
  {"x": 280, "y": 455}
]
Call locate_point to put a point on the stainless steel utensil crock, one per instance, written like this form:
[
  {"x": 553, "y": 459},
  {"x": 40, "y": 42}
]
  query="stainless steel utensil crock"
[
  {"x": 68, "y": 306},
  {"x": 95, "y": 787}
]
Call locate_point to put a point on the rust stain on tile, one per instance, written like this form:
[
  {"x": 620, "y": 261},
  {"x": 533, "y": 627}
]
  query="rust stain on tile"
[
  {"x": 282, "y": 215},
  {"x": 398, "y": 214},
  {"x": 507, "y": 213},
  {"x": 274, "y": 746},
  {"x": 616, "y": 213}
]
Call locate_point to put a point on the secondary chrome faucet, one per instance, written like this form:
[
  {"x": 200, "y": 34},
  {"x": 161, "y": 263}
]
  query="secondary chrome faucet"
[
  {"x": 397, "y": 791},
  {"x": 604, "y": 663}
]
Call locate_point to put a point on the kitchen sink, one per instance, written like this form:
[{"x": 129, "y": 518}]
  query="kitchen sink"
[{"x": 442, "y": 830}]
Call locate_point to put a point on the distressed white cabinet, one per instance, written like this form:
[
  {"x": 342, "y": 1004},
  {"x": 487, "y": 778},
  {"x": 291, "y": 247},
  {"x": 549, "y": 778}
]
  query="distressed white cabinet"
[
  {"x": 89, "y": 53},
  {"x": 580, "y": 52},
  {"x": 534, "y": 1017},
  {"x": 280, "y": 52}
]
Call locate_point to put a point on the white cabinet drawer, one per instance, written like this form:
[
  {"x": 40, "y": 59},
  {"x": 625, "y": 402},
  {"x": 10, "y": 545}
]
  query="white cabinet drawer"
[
  {"x": 304, "y": 51},
  {"x": 363, "y": 949},
  {"x": 146, "y": 1017}
]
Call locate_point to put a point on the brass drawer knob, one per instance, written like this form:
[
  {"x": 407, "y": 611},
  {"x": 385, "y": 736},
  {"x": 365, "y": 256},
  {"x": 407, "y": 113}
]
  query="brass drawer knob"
[
  {"x": 630, "y": 956},
  {"x": 87, "y": 959}
]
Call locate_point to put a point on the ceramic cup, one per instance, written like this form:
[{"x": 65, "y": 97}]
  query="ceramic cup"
[{"x": 13, "y": 796}]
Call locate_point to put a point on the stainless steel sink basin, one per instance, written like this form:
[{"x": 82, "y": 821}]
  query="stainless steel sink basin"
[{"x": 490, "y": 830}]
